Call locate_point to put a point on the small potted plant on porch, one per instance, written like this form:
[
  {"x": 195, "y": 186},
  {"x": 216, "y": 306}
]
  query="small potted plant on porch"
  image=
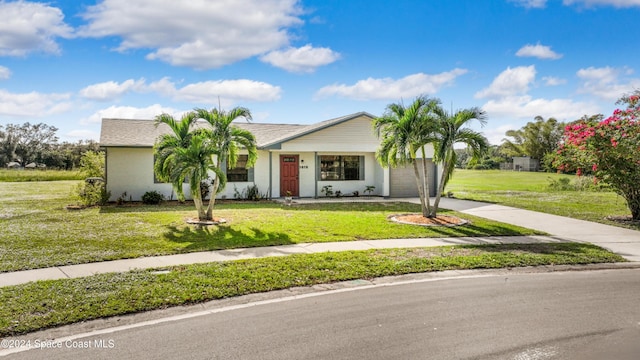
[{"x": 369, "y": 189}]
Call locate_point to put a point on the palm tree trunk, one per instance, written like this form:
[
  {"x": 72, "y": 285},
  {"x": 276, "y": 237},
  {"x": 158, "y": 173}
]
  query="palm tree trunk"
[
  {"x": 197, "y": 200},
  {"x": 443, "y": 180},
  {"x": 212, "y": 199},
  {"x": 214, "y": 192},
  {"x": 416, "y": 172},
  {"x": 425, "y": 182}
]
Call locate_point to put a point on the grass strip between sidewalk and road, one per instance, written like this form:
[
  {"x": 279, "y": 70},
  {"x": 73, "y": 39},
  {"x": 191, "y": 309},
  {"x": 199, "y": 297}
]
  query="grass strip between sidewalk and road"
[{"x": 45, "y": 304}]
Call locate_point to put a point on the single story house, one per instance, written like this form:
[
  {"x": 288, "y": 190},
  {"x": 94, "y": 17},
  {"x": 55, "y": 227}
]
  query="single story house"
[{"x": 299, "y": 159}]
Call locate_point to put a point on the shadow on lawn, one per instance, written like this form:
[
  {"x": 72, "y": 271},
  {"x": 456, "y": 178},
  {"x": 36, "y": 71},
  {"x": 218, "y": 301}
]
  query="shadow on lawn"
[
  {"x": 175, "y": 206},
  {"x": 472, "y": 230},
  {"x": 201, "y": 238}
]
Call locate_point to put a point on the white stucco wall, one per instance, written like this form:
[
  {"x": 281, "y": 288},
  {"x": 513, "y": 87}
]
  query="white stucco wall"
[
  {"x": 355, "y": 135},
  {"x": 260, "y": 177},
  {"x": 130, "y": 170}
]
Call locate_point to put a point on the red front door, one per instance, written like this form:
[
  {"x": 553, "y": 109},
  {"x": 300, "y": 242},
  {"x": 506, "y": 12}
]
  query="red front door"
[{"x": 289, "y": 175}]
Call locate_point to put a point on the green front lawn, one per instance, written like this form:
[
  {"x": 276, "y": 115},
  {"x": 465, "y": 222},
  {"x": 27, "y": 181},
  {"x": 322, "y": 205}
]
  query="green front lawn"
[
  {"x": 37, "y": 230},
  {"x": 529, "y": 190},
  {"x": 45, "y": 304},
  {"x": 12, "y": 175}
]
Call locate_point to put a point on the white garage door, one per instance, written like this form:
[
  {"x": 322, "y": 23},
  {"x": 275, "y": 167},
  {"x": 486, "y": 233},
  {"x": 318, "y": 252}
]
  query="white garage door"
[{"x": 402, "y": 181}]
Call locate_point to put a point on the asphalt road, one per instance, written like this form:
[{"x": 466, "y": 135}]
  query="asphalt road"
[{"x": 566, "y": 315}]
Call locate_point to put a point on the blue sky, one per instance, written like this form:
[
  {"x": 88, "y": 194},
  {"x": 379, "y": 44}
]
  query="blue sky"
[{"x": 70, "y": 63}]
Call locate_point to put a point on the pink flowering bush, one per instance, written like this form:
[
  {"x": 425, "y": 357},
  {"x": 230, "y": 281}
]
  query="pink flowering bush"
[{"x": 607, "y": 148}]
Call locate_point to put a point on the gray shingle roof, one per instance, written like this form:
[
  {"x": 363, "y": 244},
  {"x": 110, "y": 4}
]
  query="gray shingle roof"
[{"x": 143, "y": 133}]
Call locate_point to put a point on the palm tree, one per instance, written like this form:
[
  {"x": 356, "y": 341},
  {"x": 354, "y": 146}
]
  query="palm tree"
[
  {"x": 450, "y": 129},
  {"x": 404, "y": 132},
  {"x": 228, "y": 140},
  {"x": 195, "y": 162},
  {"x": 166, "y": 146}
]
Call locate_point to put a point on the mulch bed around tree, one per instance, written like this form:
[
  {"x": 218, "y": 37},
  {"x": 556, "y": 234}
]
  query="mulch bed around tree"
[{"x": 418, "y": 219}]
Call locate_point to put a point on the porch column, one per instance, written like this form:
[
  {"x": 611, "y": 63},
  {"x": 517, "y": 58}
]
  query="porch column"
[
  {"x": 317, "y": 172},
  {"x": 270, "y": 174},
  {"x": 386, "y": 182}
]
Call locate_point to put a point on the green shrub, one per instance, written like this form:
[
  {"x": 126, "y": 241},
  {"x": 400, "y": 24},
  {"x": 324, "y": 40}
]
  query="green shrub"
[
  {"x": 561, "y": 184},
  {"x": 580, "y": 183},
  {"x": 152, "y": 198},
  {"x": 250, "y": 193},
  {"x": 92, "y": 164},
  {"x": 92, "y": 193},
  {"x": 327, "y": 190}
]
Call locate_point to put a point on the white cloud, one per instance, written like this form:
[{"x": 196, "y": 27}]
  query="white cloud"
[
  {"x": 527, "y": 107},
  {"x": 605, "y": 82},
  {"x": 531, "y": 4},
  {"x": 28, "y": 26},
  {"x": 392, "y": 89},
  {"x": 198, "y": 33},
  {"x": 301, "y": 60},
  {"x": 553, "y": 81},
  {"x": 130, "y": 112},
  {"x": 614, "y": 3},
  {"x": 110, "y": 90},
  {"x": 33, "y": 104},
  {"x": 208, "y": 92},
  {"x": 228, "y": 90},
  {"x": 5, "y": 73},
  {"x": 495, "y": 135},
  {"x": 83, "y": 134},
  {"x": 538, "y": 51},
  {"x": 509, "y": 83}
]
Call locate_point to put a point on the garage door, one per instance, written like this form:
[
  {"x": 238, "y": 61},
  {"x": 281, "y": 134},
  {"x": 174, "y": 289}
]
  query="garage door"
[{"x": 402, "y": 181}]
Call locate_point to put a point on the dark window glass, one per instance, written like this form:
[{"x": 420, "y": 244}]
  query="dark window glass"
[
  {"x": 341, "y": 167},
  {"x": 240, "y": 173}
]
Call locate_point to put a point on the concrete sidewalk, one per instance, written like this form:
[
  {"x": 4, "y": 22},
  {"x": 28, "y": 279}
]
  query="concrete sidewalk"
[
  {"x": 624, "y": 242},
  {"x": 81, "y": 270}
]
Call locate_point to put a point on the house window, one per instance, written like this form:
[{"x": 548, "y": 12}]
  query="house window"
[
  {"x": 341, "y": 167},
  {"x": 240, "y": 173}
]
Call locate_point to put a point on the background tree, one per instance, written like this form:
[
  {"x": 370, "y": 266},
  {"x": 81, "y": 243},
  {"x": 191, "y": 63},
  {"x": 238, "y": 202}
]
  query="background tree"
[
  {"x": 38, "y": 143},
  {"x": 535, "y": 139},
  {"x": 491, "y": 160},
  {"x": 27, "y": 142},
  {"x": 450, "y": 129},
  {"x": 227, "y": 139},
  {"x": 7, "y": 147},
  {"x": 403, "y": 132},
  {"x": 609, "y": 148}
]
